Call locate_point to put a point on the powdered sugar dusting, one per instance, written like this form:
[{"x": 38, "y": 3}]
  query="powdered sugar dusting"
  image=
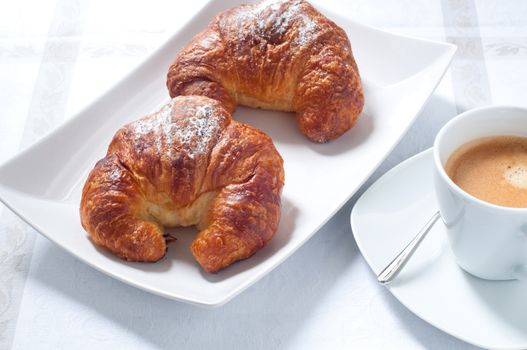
[
  {"x": 199, "y": 130},
  {"x": 156, "y": 125},
  {"x": 209, "y": 41},
  {"x": 267, "y": 18},
  {"x": 306, "y": 31},
  {"x": 274, "y": 5},
  {"x": 115, "y": 174},
  {"x": 192, "y": 128}
]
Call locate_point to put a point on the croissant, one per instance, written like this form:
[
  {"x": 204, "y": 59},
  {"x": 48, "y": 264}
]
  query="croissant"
[
  {"x": 187, "y": 164},
  {"x": 280, "y": 55}
]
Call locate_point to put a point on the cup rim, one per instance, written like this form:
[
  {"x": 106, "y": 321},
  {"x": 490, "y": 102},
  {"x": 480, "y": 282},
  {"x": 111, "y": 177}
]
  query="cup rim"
[{"x": 441, "y": 169}]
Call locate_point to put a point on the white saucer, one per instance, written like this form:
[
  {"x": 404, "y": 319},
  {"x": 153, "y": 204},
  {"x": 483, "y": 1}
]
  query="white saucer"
[{"x": 386, "y": 217}]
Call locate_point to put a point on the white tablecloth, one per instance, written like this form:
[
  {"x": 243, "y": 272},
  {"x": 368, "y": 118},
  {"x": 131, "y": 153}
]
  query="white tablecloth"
[{"x": 58, "y": 55}]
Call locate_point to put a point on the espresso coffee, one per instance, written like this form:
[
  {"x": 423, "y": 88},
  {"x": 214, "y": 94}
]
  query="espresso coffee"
[{"x": 493, "y": 169}]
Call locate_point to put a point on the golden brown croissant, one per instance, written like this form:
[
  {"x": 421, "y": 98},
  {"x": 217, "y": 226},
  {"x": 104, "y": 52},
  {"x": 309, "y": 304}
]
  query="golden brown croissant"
[
  {"x": 188, "y": 164},
  {"x": 281, "y": 55}
]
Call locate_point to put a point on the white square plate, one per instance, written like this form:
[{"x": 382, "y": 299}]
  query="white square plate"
[{"x": 43, "y": 184}]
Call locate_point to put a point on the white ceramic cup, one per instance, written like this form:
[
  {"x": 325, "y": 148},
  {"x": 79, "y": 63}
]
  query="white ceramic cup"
[{"x": 488, "y": 241}]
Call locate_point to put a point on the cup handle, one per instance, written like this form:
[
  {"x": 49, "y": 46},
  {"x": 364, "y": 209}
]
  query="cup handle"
[{"x": 520, "y": 272}]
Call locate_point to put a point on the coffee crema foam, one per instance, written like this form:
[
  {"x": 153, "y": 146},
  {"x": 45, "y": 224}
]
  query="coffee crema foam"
[{"x": 493, "y": 169}]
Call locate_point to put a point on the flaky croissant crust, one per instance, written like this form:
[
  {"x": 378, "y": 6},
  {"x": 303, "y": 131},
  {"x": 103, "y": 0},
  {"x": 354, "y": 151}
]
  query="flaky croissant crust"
[
  {"x": 281, "y": 55},
  {"x": 188, "y": 164}
]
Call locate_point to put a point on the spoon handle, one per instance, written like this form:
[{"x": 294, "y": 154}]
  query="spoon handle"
[{"x": 397, "y": 264}]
